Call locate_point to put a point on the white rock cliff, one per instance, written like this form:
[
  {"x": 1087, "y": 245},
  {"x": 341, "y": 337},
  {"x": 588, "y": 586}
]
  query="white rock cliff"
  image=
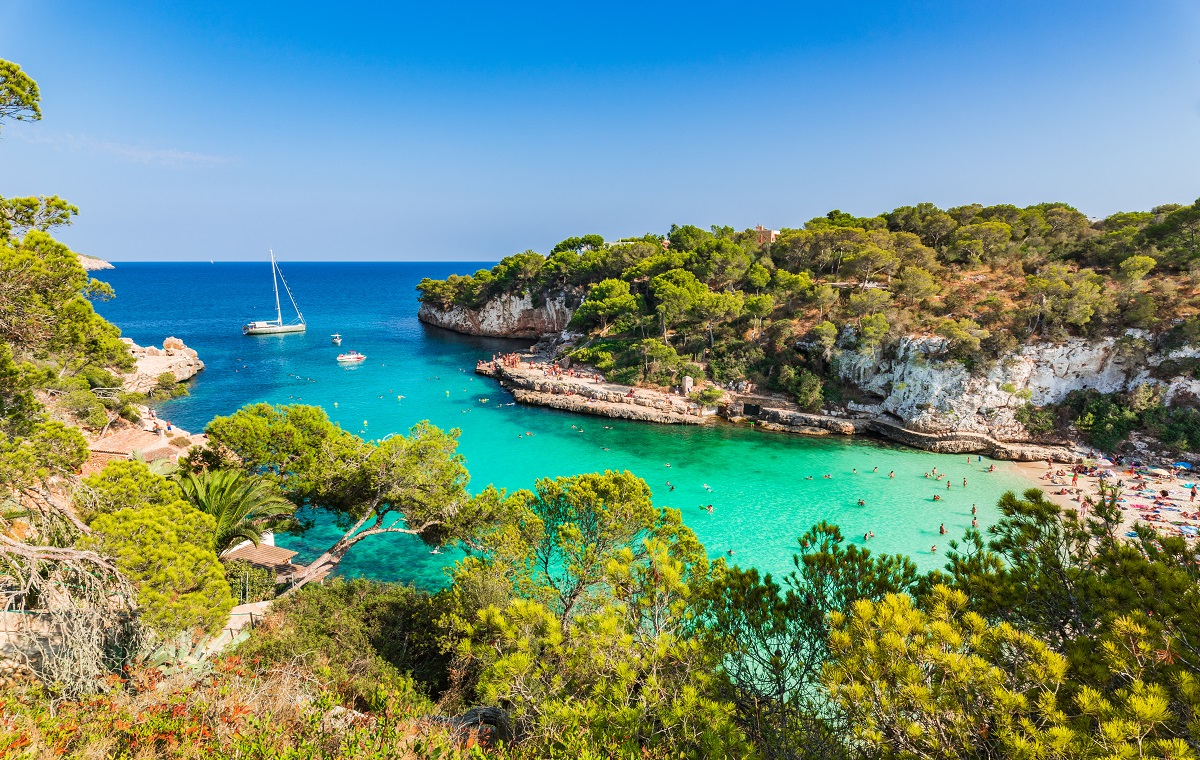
[
  {"x": 506, "y": 316},
  {"x": 932, "y": 395}
]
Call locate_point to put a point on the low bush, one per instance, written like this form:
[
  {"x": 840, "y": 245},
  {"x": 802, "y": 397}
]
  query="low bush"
[{"x": 364, "y": 636}]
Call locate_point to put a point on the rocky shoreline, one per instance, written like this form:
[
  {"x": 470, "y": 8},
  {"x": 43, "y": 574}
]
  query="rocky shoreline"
[
  {"x": 174, "y": 357},
  {"x": 526, "y": 377}
]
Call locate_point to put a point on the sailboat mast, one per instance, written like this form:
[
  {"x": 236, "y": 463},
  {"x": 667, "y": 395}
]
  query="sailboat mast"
[{"x": 275, "y": 280}]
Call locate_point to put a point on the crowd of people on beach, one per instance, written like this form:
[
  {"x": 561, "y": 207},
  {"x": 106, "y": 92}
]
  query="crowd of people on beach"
[{"x": 1154, "y": 495}]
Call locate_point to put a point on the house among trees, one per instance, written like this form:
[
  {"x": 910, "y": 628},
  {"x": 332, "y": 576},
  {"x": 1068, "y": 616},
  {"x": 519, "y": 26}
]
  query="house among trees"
[{"x": 765, "y": 235}]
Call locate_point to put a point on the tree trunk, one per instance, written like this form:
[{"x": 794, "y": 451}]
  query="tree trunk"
[{"x": 328, "y": 561}]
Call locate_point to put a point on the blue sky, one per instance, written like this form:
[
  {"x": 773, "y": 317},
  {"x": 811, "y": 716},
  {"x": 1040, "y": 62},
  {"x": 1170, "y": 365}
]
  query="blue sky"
[{"x": 468, "y": 132}]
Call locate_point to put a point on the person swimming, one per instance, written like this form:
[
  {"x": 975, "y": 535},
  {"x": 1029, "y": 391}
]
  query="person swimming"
[
  {"x": 933, "y": 549},
  {"x": 862, "y": 503},
  {"x": 937, "y": 497},
  {"x": 942, "y": 529},
  {"x": 974, "y": 509},
  {"x": 892, "y": 474},
  {"x": 810, "y": 477},
  {"x": 875, "y": 468}
]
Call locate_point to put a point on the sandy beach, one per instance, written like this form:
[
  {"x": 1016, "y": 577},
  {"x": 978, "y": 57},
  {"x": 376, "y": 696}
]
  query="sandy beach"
[{"x": 1175, "y": 514}]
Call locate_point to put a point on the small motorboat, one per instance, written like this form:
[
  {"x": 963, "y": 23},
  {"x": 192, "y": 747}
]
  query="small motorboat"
[
  {"x": 351, "y": 357},
  {"x": 336, "y": 338}
]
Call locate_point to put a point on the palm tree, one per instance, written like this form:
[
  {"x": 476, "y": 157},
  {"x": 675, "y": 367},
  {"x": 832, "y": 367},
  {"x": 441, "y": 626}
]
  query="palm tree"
[{"x": 241, "y": 504}]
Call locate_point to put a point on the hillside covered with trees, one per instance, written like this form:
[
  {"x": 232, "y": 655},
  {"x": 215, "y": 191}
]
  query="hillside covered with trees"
[{"x": 735, "y": 306}]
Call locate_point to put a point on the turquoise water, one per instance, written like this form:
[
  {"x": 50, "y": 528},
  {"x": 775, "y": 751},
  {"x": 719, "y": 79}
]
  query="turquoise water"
[{"x": 760, "y": 495}]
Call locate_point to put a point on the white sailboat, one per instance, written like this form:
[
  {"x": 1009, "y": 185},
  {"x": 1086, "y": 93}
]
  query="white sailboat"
[{"x": 275, "y": 326}]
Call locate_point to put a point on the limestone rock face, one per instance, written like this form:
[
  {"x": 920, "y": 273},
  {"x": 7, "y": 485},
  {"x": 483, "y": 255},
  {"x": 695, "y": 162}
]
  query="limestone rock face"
[
  {"x": 507, "y": 316},
  {"x": 91, "y": 264},
  {"x": 929, "y": 394},
  {"x": 173, "y": 357}
]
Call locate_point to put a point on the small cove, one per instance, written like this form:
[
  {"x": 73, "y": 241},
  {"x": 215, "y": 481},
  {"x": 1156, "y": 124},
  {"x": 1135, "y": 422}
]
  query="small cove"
[{"x": 757, "y": 482}]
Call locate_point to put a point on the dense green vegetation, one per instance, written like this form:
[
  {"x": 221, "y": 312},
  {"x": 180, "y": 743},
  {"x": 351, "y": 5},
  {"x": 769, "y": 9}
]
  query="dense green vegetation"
[
  {"x": 733, "y": 306},
  {"x": 591, "y": 623}
]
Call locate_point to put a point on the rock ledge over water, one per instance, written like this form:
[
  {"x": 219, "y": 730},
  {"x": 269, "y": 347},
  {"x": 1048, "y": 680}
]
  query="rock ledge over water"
[{"x": 173, "y": 357}]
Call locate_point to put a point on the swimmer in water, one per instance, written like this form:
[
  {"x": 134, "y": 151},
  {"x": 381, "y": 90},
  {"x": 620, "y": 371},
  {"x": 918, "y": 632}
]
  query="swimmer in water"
[
  {"x": 892, "y": 474},
  {"x": 936, "y": 497},
  {"x": 974, "y": 523},
  {"x": 730, "y": 552},
  {"x": 709, "y": 508},
  {"x": 871, "y": 534},
  {"x": 862, "y": 503},
  {"x": 875, "y": 468},
  {"x": 854, "y": 470},
  {"x": 828, "y": 476},
  {"x": 933, "y": 549},
  {"x": 964, "y": 482},
  {"x": 973, "y": 509},
  {"x": 942, "y": 529},
  {"x": 810, "y": 477}
]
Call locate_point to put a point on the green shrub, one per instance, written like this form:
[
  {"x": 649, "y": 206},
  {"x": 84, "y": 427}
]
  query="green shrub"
[
  {"x": 249, "y": 583},
  {"x": 1037, "y": 420},
  {"x": 86, "y": 408},
  {"x": 708, "y": 396},
  {"x": 365, "y": 636}
]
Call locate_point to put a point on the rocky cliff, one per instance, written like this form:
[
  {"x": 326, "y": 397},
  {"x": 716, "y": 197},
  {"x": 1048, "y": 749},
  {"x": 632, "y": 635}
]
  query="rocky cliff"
[
  {"x": 506, "y": 316},
  {"x": 91, "y": 264},
  {"x": 173, "y": 357},
  {"x": 928, "y": 394}
]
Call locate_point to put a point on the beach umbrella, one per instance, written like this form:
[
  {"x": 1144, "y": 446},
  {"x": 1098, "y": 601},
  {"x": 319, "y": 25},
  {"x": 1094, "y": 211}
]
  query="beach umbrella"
[
  {"x": 1159, "y": 471},
  {"x": 1184, "y": 465},
  {"x": 1104, "y": 463}
]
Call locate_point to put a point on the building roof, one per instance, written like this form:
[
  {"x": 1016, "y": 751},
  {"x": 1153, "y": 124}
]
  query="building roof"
[{"x": 264, "y": 555}]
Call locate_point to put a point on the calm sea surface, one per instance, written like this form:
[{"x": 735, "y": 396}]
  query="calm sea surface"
[{"x": 413, "y": 372}]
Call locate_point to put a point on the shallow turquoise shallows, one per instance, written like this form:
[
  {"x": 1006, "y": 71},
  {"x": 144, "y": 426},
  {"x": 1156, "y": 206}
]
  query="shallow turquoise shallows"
[{"x": 755, "y": 481}]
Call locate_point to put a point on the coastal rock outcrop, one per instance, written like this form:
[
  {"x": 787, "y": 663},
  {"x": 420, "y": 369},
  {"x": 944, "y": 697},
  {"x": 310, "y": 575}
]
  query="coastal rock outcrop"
[
  {"x": 173, "y": 357},
  {"x": 601, "y": 399},
  {"x": 928, "y": 394},
  {"x": 505, "y": 316},
  {"x": 91, "y": 263}
]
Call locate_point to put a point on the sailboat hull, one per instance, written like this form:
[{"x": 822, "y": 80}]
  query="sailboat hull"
[{"x": 267, "y": 328}]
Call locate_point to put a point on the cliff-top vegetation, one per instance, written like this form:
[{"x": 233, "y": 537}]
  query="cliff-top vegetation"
[{"x": 732, "y": 306}]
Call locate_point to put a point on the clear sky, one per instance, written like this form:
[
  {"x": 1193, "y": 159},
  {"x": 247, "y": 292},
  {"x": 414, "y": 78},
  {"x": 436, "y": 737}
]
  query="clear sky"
[{"x": 212, "y": 130}]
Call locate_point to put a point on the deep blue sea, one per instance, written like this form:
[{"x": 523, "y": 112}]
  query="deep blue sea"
[{"x": 414, "y": 372}]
